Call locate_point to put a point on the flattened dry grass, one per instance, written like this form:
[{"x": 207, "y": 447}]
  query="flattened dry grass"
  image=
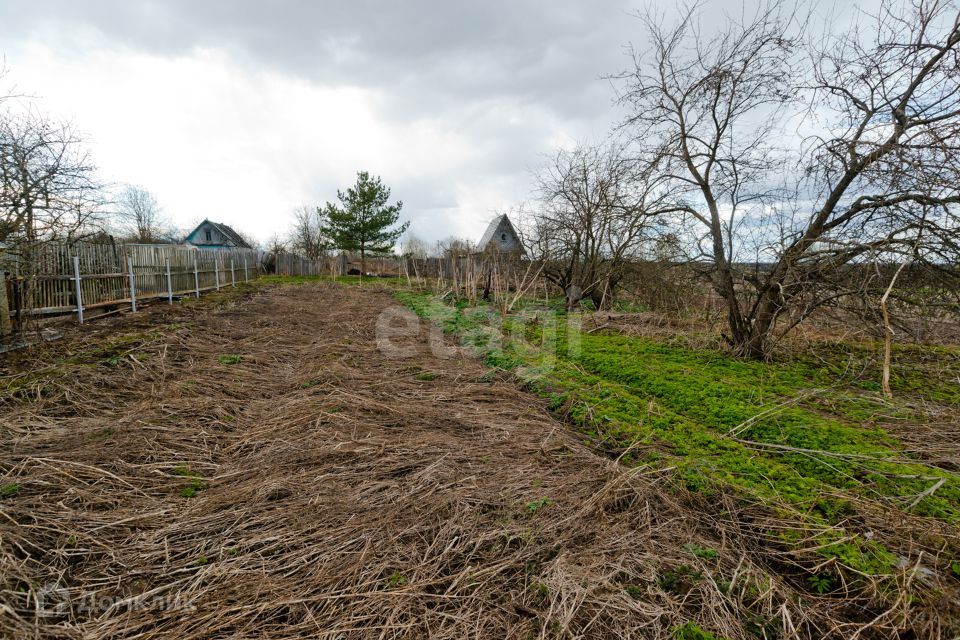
[{"x": 316, "y": 487}]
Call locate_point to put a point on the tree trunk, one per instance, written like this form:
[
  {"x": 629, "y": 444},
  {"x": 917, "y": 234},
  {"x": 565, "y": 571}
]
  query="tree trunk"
[
  {"x": 750, "y": 336},
  {"x": 574, "y": 294},
  {"x": 363, "y": 261}
]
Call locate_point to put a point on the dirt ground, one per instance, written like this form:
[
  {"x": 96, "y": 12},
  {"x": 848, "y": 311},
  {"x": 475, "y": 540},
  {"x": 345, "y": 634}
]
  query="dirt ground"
[{"x": 257, "y": 467}]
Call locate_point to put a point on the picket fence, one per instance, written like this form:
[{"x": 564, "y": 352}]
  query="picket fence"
[
  {"x": 83, "y": 277},
  {"x": 87, "y": 278}
]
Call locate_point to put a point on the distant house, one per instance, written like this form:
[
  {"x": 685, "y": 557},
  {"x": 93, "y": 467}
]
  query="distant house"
[
  {"x": 500, "y": 236},
  {"x": 214, "y": 235}
]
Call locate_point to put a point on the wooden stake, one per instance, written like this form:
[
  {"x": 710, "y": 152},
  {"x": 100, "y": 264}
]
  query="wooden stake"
[
  {"x": 6, "y": 327},
  {"x": 169, "y": 284},
  {"x": 196, "y": 275},
  {"x": 79, "y": 289},
  {"x": 133, "y": 285}
]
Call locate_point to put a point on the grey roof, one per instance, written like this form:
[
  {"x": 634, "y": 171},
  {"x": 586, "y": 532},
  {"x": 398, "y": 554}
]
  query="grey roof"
[
  {"x": 226, "y": 230},
  {"x": 492, "y": 229}
]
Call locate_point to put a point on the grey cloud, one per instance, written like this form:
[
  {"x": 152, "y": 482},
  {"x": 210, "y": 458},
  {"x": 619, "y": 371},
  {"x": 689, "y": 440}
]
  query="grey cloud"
[{"x": 460, "y": 66}]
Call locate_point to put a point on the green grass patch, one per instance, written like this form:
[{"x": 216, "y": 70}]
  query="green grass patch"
[{"x": 797, "y": 431}]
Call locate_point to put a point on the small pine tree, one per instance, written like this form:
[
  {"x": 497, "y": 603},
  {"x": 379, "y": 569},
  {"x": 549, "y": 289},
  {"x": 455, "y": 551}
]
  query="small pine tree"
[{"x": 363, "y": 221}]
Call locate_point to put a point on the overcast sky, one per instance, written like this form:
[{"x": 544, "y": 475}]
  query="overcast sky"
[{"x": 239, "y": 110}]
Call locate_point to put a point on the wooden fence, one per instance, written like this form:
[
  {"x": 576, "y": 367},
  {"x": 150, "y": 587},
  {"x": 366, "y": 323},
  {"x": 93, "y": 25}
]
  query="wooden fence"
[{"x": 83, "y": 278}]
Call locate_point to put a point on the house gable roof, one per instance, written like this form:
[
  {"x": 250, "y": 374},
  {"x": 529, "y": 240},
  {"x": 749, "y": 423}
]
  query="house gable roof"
[
  {"x": 500, "y": 224},
  {"x": 227, "y": 231}
]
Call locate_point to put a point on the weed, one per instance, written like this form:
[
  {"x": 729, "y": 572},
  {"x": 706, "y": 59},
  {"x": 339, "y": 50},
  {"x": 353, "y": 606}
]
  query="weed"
[
  {"x": 705, "y": 553},
  {"x": 693, "y": 631},
  {"x": 196, "y": 483},
  {"x": 9, "y": 490},
  {"x": 540, "y": 590},
  {"x": 536, "y": 505},
  {"x": 202, "y": 560},
  {"x": 557, "y": 400},
  {"x": 183, "y": 470},
  {"x": 634, "y": 591},
  {"x": 426, "y": 376},
  {"x": 955, "y": 569},
  {"x": 396, "y": 580},
  {"x": 230, "y": 359},
  {"x": 680, "y": 580},
  {"x": 822, "y": 582},
  {"x": 762, "y": 627},
  {"x": 192, "y": 489}
]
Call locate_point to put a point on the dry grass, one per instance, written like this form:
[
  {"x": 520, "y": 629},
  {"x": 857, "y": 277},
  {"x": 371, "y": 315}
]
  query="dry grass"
[{"x": 340, "y": 493}]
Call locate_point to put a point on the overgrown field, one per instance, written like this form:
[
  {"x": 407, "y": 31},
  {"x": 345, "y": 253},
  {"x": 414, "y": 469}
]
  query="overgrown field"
[
  {"x": 857, "y": 491},
  {"x": 259, "y": 464}
]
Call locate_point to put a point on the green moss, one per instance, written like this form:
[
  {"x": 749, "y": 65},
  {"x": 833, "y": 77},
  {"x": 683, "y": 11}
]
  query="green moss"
[{"x": 9, "y": 490}]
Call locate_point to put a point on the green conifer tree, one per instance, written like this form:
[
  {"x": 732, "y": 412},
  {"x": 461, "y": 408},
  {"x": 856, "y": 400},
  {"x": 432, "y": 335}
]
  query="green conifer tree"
[{"x": 364, "y": 221}]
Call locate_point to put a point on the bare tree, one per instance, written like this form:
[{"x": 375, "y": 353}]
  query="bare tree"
[
  {"x": 141, "y": 216},
  {"x": 307, "y": 237},
  {"x": 883, "y": 105},
  {"x": 414, "y": 247},
  {"x": 597, "y": 205},
  {"x": 47, "y": 186},
  {"x": 453, "y": 247}
]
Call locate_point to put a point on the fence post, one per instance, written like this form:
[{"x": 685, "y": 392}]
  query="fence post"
[
  {"x": 196, "y": 275},
  {"x": 169, "y": 284},
  {"x": 246, "y": 277},
  {"x": 233, "y": 278},
  {"x": 78, "y": 288},
  {"x": 216, "y": 270},
  {"x": 6, "y": 327},
  {"x": 133, "y": 285}
]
